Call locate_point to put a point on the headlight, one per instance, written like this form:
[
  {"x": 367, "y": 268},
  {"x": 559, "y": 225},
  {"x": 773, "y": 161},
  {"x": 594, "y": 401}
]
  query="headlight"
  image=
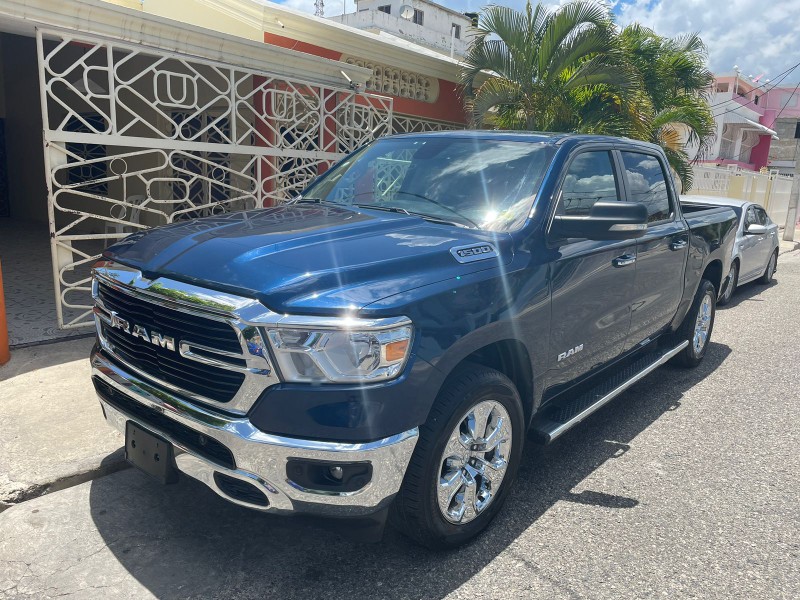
[{"x": 355, "y": 350}]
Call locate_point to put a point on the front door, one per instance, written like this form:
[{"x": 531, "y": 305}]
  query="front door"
[
  {"x": 752, "y": 247},
  {"x": 661, "y": 253},
  {"x": 591, "y": 281}
]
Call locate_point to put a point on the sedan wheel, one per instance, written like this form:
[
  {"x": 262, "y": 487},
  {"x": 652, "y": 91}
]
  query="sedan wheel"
[
  {"x": 730, "y": 288},
  {"x": 770, "y": 270}
]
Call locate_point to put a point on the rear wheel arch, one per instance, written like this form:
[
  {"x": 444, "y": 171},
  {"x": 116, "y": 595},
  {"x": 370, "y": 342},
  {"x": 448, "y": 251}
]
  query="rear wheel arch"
[{"x": 713, "y": 273}]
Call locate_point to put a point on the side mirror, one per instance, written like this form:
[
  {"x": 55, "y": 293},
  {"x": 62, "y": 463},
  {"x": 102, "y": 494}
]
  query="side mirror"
[
  {"x": 605, "y": 221},
  {"x": 755, "y": 229}
]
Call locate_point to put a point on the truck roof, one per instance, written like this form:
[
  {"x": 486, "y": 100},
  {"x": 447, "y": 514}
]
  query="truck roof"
[{"x": 542, "y": 137}]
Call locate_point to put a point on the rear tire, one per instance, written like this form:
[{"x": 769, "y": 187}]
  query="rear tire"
[
  {"x": 772, "y": 265},
  {"x": 445, "y": 499},
  {"x": 697, "y": 326},
  {"x": 730, "y": 289}
]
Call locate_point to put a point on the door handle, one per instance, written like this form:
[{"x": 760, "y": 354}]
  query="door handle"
[
  {"x": 624, "y": 260},
  {"x": 678, "y": 244}
]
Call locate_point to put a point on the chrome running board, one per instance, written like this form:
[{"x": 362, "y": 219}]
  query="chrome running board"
[{"x": 554, "y": 420}]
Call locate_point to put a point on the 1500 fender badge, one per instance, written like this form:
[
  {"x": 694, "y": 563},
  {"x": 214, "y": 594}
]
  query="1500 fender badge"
[{"x": 473, "y": 252}]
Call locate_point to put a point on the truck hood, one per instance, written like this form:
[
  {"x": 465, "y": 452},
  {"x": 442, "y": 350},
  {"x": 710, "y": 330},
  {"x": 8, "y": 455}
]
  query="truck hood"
[{"x": 308, "y": 259}]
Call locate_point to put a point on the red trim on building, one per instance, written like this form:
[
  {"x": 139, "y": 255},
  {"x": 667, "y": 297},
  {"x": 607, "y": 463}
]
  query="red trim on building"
[
  {"x": 759, "y": 155},
  {"x": 449, "y": 106}
]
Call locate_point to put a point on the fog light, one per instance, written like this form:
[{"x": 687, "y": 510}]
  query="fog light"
[{"x": 323, "y": 476}]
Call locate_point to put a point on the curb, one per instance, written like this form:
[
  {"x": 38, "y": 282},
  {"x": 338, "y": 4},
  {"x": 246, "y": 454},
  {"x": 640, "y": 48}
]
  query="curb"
[
  {"x": 786, "y": 247},
  {"x": 110, "y": 464}
]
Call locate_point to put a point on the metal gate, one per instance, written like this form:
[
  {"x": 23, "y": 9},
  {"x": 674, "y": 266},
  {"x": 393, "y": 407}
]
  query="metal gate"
[{"x": 136, "y": 137}]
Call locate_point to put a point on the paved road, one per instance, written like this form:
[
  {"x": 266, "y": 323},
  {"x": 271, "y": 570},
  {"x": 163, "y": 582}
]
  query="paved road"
[{"x": 686, "y": 486}]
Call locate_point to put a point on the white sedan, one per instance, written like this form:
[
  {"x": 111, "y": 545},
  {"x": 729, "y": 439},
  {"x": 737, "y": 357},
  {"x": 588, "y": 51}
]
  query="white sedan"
[{"x": 755, "y": 252}]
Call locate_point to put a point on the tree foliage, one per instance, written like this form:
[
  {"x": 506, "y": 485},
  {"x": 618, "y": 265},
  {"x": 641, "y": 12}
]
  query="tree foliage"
[{"x": 573, "y": 70}]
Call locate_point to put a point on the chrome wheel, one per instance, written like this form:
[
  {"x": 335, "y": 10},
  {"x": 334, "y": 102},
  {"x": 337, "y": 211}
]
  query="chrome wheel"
[
  {"x": 474, "y": 462},
  {"x": 703, "y": 324}
]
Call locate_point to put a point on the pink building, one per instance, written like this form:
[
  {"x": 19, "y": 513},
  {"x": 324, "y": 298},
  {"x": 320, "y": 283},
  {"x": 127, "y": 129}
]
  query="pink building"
[
  {"x": 756, "y": 123},
  {"x": 743, "y": 133}
]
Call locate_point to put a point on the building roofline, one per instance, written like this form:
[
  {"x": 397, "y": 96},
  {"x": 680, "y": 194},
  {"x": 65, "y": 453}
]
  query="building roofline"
[
  {"x": 392, "y": 50},
  {"x": 97, "y": 17}
]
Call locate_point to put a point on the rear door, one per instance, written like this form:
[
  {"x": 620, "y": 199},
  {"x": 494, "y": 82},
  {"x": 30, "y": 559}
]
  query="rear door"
[
  {"x": 770, "y": 239},
  {"x": 592, "y": 281},
  {"x": 661, "y": 253}
]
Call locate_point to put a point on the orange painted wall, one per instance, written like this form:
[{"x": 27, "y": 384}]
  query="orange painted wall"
[{"x": 448, "y": 106}]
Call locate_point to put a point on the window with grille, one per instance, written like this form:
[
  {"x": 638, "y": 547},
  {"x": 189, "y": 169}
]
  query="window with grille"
[{"x": 419, "y": 17}]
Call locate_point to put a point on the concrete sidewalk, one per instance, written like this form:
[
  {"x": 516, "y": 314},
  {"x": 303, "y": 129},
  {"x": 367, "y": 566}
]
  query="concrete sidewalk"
[
  {"x": 789, "y": 246},
  {"x": 52, "y": 431}
]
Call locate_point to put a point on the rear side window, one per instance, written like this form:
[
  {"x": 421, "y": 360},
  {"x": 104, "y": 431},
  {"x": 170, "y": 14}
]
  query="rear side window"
[
  {"x": 590, "y": 178},
  {"x": 647, "y": 184}
]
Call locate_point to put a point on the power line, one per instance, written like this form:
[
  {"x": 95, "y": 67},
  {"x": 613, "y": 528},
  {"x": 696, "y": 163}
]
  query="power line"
[
  {"x": 738, "y": 106},
  {"x": 784, "y": 73},
  {"x": 789, "y": 99},
  {"x": 785, "y": 104}
]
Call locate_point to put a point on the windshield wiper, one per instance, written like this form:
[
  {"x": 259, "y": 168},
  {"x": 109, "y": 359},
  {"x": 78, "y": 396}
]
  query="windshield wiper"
[
  {"x": 439, "y": 204},
  {"x": 411, "y": 213}
]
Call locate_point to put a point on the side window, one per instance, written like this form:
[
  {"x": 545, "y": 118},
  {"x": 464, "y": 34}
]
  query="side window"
[
  {"x": 750, "y": 217},
  {"x": 762, "y": 216},
  {"x": 647, "y": 184},
  {"x": 590, "y": 178}
]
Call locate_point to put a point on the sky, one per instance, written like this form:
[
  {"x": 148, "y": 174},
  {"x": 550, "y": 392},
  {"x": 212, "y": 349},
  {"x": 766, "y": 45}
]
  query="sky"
[{"x": 760, "y": 36}]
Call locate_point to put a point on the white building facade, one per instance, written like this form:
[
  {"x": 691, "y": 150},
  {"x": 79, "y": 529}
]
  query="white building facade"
[{"x": 420, "y": 21}]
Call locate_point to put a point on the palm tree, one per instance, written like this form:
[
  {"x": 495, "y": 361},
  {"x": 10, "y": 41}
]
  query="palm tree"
[
  {"x": 571, "y": 70},
  {"x": 550, "y": 71},
  {"x": 675, "y": 82}
]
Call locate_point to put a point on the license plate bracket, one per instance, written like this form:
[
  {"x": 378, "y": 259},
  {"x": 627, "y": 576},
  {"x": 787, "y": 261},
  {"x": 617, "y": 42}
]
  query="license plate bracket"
[{"x": 150, "y": 453}]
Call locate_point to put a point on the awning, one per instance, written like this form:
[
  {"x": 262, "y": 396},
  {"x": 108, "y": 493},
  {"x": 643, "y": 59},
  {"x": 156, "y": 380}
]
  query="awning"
[{"x": 737, "y": 118}]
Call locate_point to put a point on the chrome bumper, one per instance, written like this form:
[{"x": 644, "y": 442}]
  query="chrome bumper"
[{"x": 261, "y": 458}]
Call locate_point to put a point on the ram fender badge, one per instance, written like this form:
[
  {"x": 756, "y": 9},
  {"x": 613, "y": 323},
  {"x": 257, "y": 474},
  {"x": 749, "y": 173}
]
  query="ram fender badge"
[
  {"x": 570, "y": 352},
  {"x": 473, "y": 252}
]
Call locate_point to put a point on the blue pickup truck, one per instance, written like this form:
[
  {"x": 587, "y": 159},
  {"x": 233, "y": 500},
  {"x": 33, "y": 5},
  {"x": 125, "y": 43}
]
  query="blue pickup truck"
[{"x": 387, "y": 342}]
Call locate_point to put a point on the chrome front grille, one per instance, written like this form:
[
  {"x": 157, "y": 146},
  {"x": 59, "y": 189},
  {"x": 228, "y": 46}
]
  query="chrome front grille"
[
  {"x": 163, "y": 363},
  {"x": 204, "y": 354}
]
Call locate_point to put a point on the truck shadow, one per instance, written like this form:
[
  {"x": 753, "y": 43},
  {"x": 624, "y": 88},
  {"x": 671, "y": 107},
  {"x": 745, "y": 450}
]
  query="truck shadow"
[{"x": 183, "y": 541}]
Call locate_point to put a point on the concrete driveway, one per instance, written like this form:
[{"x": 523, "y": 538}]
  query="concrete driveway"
[{"x": 685, "y": 486}]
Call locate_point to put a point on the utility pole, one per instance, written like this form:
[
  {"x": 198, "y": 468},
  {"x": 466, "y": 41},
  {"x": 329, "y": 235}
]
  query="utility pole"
[
  {"x": 319, "y": 8},
  {"x": 794, "y": 200}
]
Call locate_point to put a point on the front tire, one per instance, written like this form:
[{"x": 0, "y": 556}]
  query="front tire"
[
  {"x": 766, "y": 278},
  {"x": 465, "y": 461},
  {"x": 697, "y": 326},
  {"x": 733, "y": 281}
]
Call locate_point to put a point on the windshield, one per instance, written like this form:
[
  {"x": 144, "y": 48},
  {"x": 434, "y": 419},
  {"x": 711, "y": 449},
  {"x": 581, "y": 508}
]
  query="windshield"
[{"x": 469, "y": 182}]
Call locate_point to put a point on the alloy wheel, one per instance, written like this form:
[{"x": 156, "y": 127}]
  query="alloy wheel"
[
  {"x": 702, "y": 324},
  {"x": 474, "y": 462}
]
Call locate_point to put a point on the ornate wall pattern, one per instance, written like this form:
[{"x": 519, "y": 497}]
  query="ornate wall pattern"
[
  {"x": 137, "y": 137},
  {"x": 397, "y": 82}
]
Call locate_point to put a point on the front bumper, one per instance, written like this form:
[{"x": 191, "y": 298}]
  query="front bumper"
[{"x": 260, "y": 459}]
